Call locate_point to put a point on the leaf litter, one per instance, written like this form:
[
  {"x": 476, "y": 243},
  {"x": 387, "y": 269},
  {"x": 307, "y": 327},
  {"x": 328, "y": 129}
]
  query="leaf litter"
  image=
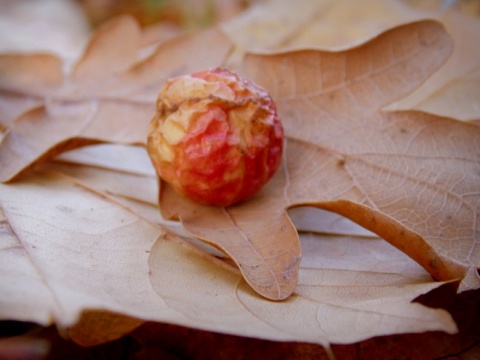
[{"x": 51, "y": 237}]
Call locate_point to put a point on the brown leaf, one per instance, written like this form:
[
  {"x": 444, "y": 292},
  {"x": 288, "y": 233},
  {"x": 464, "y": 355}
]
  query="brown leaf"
[
  {"x": 58, "y": 27},
  {"x": 78, "y": 249},
  {"x": 339, "y": 24},
  {"x": 35, "y": 72},
  {"x": 98, "y": 327},
  {"x": 57, "y": 232},
  {"x": 410, "y": 177},
  {"x": 263, "y": 244},
  {"x": 84, "y": 238},
  {"x": 113, "y": 48},
  {"x": 324, "y": 24},
  {"x": 327, "y": 303},
  {"x": 453, "y": 90},
  {"x": 39, "y": 72},
  {"x": 108, "y": 98}
]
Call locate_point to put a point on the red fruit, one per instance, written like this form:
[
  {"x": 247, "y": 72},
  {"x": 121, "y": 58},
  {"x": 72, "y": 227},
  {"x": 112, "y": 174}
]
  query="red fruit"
[{"x": 215, "y": 137}]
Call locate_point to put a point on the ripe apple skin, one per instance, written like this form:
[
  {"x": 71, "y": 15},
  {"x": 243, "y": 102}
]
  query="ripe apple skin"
[{"x": 216, "y": 137}]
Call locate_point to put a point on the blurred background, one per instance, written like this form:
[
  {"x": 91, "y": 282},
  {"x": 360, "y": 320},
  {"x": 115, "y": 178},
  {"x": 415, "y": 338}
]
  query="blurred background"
[{"x": 63, "y": 25}]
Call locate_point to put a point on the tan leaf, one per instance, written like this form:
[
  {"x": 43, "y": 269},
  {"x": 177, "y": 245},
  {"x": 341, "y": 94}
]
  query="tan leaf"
[
  {"x": 326, "y": 24},
  {"x": 51, "y": 26},
  {"x": 270, "y": 24},
  {"x": 139, "y": 175},
  {"x": 109, "y": 97},
  {"x": 23, "y": 280},
  {"x": 327, "y": 304},
  {"x": 98, "y": 259},
  {"x": 113, "y": 48},
  {"x": 453, "y": 90},
  {"x": 62, "y": 233},
  {"x": 70, "y": 253},
  {"x": 36, "y": 72},
  {"x": 264, "y": 244},
  {"x": 313, "y": 219},
  {"x": 124, "y": 158},
  {"x": 410, "y": 177}
]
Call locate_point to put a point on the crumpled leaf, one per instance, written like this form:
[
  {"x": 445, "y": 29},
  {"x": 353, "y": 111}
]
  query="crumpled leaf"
[
  {"x": 109, "y": 82},
  {"x": 410, "y": 177},
  {"x": 79, "y": 249}
]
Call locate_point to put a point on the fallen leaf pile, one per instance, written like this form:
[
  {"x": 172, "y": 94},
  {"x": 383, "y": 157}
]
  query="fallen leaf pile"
[{"x": 83, "y": 244}]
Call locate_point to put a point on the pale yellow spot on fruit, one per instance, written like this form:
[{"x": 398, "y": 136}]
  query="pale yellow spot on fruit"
[
  {"x": 172, "y": 131},
  {"x": 185, "y": 114},
  {"x": 165, "y": 150},
  {"x": 234, "y": 175},
  {"x": 241, "y": 121},
  {"x": 177, "y": 90},
  {"x": 186, "y": 87},
  {"x": 223, "y": 91}
]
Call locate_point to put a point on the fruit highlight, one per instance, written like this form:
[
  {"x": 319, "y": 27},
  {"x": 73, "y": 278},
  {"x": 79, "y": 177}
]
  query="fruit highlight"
[{"x": 216, "y": 138}]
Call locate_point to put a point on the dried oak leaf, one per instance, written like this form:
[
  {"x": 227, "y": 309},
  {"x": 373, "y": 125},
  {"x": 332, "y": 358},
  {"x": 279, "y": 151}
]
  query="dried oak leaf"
[
  {"x": 71, "y": 254},
  {"x": 452, "y": 91},
  {"x": 131, "y": 91},
  {"x": 410, "y": 177},
  {"x": 79, "y": 249},
  {"x": 108, "y": 96}
]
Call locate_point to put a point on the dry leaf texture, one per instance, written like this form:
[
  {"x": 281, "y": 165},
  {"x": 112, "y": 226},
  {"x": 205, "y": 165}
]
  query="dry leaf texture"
[
  {"x": 339, "y": 24},
  {"x": 77, "y": 248},
  {"x": 108, "y": 97},
  {"x": 410, "y": 177},
  {"x": 83, "y": 239}
]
